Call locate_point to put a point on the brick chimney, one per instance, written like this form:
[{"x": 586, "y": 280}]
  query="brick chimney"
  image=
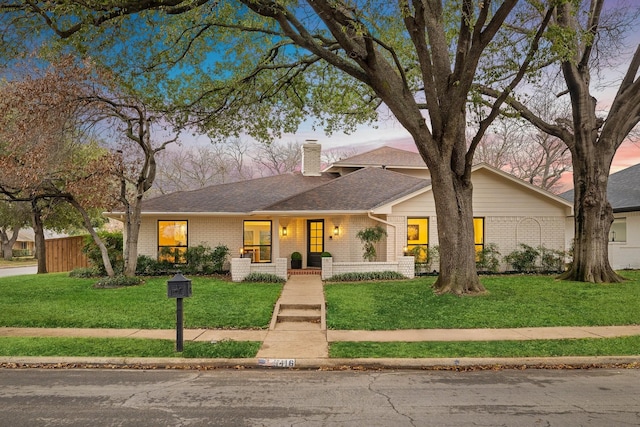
[{"x": 311, "y": 158}]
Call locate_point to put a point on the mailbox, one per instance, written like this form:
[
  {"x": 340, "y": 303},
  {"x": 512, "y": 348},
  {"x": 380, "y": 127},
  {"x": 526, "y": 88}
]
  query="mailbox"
[{"x": 179, "y": 287}]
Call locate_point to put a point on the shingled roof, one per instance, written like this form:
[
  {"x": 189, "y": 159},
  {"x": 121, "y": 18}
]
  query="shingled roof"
[
  {"x": 359, "y": 191},
  {"x": 623, "y": 190},
  {"x": 384, "y": 156},
  {"x": 236, "y": 197},
  {"x": 362, "y": 190}
]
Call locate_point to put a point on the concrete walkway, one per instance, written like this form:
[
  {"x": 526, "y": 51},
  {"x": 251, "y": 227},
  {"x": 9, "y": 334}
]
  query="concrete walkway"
[{"x": 298, "y": 329}]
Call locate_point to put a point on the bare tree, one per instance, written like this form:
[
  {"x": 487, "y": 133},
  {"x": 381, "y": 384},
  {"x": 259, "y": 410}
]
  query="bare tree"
[
  {"x": 333, "y": 155},
  {"x": 277, "y": 158},
  {"x": 526, "y": 153}
]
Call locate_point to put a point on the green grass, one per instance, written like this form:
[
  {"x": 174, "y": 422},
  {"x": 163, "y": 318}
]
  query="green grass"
[
  {"x": 58, "y": 301},
  {"x": 511, "y": 302},
  {"x": 18, "y": 262},
  {"x": 622, "y": 346},
  {"x": 55, "y": 300},
  {"x": 124, "y": 347}
]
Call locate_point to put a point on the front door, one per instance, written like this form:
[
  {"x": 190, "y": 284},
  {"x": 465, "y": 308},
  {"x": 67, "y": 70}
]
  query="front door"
[{"x": 315, "y": 242}]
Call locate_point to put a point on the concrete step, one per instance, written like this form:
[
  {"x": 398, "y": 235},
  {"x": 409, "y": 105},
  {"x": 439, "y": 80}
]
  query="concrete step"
[
  {"x": 299, "y": 318},
  {"x": 300, "y": 306},
  {"x": 299, "y": 312}
]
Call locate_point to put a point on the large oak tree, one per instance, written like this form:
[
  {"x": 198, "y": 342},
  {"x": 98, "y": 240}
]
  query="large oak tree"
[
  {"x": 263, "y": 66},
  {"x": 593, "y": 136}
]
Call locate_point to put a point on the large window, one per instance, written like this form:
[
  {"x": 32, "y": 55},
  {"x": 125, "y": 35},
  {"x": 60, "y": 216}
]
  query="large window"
[
  {"x": 618, "y": 230},
  {"x": 478, "y": 233},
  {"x": 257, "y": 240},
  {"x": 172, "y": 241},
  {"x": 418, "y": 238}
]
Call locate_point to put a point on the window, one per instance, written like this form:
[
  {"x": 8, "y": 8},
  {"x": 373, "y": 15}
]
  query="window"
[
  {"x": 257, "y": 240},
  {"x": 418, "y": 238},
  {"x": 618, "y": 230},
  {"x": 172, "y": 241},
  {"x": 478, "y": 233}
]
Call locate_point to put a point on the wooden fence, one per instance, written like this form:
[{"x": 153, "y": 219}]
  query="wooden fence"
[{"x": 65, "y": 254}]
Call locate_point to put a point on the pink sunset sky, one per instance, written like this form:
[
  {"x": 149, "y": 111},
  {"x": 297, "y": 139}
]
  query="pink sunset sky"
[{"x": 390, "y": 133}]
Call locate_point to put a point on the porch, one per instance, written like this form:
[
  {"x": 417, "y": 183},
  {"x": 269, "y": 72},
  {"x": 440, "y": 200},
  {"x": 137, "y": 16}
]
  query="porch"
[{"x": 242, "y": 267}]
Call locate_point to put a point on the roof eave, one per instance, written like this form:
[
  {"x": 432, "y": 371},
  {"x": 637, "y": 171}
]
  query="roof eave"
[
  {"x": 626, "y": 209},
  {"x": 311, "y": 212}
]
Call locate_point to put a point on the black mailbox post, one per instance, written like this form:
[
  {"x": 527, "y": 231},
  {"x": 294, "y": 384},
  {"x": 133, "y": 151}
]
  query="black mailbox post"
[{"x": 179, "y": 287}]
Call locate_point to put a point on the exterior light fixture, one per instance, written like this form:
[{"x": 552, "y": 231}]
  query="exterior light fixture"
[
  {"x": 336, "y": 230},
  {"x": 284, "y": 231},
  {"x": 405, "y": 250}
]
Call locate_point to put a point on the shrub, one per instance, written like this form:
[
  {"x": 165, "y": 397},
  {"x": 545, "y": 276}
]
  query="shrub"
[
  {"x": 118, "y": 282},
  {"x": 147, "y": 266},
  {"x": 488, "y": 258},
  {"x": 369, "y": 237},
  {"x": 296, "y": 256},
  {"x": 369, "y": 275},
  {"x": 552, "y": 259},
  {"x": 263, "y": 278},
  {"x": 325, "y": 255},
  {"x": 21, "y": 253},
  {"x": 85, "y": 272},
  {"x": 196, "y": 258},
  {"x": 523, "y": 260},
  {"x": 113, "y": 241},
  {"x": 219, "y": 257},
  {"x": 424, "y": 257},
  {"x": 200, "y": 259}
]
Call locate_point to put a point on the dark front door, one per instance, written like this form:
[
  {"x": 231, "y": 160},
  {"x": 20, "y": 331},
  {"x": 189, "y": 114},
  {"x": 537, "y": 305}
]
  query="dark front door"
[{"x": 315, "y": 242}]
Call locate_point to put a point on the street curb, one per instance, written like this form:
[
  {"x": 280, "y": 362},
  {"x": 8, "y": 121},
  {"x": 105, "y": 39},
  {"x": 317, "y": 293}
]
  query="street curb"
[{"x": 459, "y": 364}]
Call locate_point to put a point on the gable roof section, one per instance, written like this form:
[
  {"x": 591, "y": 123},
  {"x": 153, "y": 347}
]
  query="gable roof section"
[
  {"x": 384, "y": 156},
  {"x": 623, "y": 190},
  {"x": 558, "y": 199},
  {"x": 235, "y": 197},
  {"x": 359, "y": 191}
]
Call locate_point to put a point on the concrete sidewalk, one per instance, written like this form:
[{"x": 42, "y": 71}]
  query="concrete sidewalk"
[
  {"x": 298, "y": 332},
  {"x": 405, "y": 335}
]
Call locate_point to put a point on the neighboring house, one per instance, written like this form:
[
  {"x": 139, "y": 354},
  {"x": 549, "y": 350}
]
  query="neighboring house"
[
  {"x": 264, "y": 220},
  {"x": 623, "y": 193},
  {"x": 25, "y": 245}
]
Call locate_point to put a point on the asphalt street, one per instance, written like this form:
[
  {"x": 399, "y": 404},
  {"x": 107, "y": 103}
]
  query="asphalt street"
[
  {"x": 18, "y": 271},
  {"x": 270, "y": 397}
]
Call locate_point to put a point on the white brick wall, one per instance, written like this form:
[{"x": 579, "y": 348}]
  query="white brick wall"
[
  {"x": 242, "y": 267},
  {"x": 404, "y": 266},
  {"x": 507, "y": 232}
]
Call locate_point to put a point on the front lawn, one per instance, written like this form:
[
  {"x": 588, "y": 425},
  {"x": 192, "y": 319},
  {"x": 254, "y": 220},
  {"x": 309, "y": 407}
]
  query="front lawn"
[
  {"x": 58, "y": 301},
  {"x": 511, "y": 302},
  {"x": 124, "y": 347},
  {"x": 620, "y": 346}
]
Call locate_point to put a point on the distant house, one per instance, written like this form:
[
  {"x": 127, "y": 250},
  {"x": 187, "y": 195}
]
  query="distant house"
[
  {"x": 623, "y": 192},
  {"x": 25, "y": 245},
  {"x": 263, "y": 221}
]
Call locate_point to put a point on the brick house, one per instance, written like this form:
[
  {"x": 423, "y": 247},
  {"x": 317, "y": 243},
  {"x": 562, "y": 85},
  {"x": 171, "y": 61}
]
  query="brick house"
[{"x": 263, "y": 221}]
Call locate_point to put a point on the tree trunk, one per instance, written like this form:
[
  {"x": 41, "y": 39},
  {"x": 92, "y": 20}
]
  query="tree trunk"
[
  {"x": 7, "y": 243},
  {"x": 38, "y": 230},
  {"x": 453, "y": 202},
  {"x": 132, "y": 230},
  {"x": 103, "y": 249},
  {"x": 593, "y": 218}
]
